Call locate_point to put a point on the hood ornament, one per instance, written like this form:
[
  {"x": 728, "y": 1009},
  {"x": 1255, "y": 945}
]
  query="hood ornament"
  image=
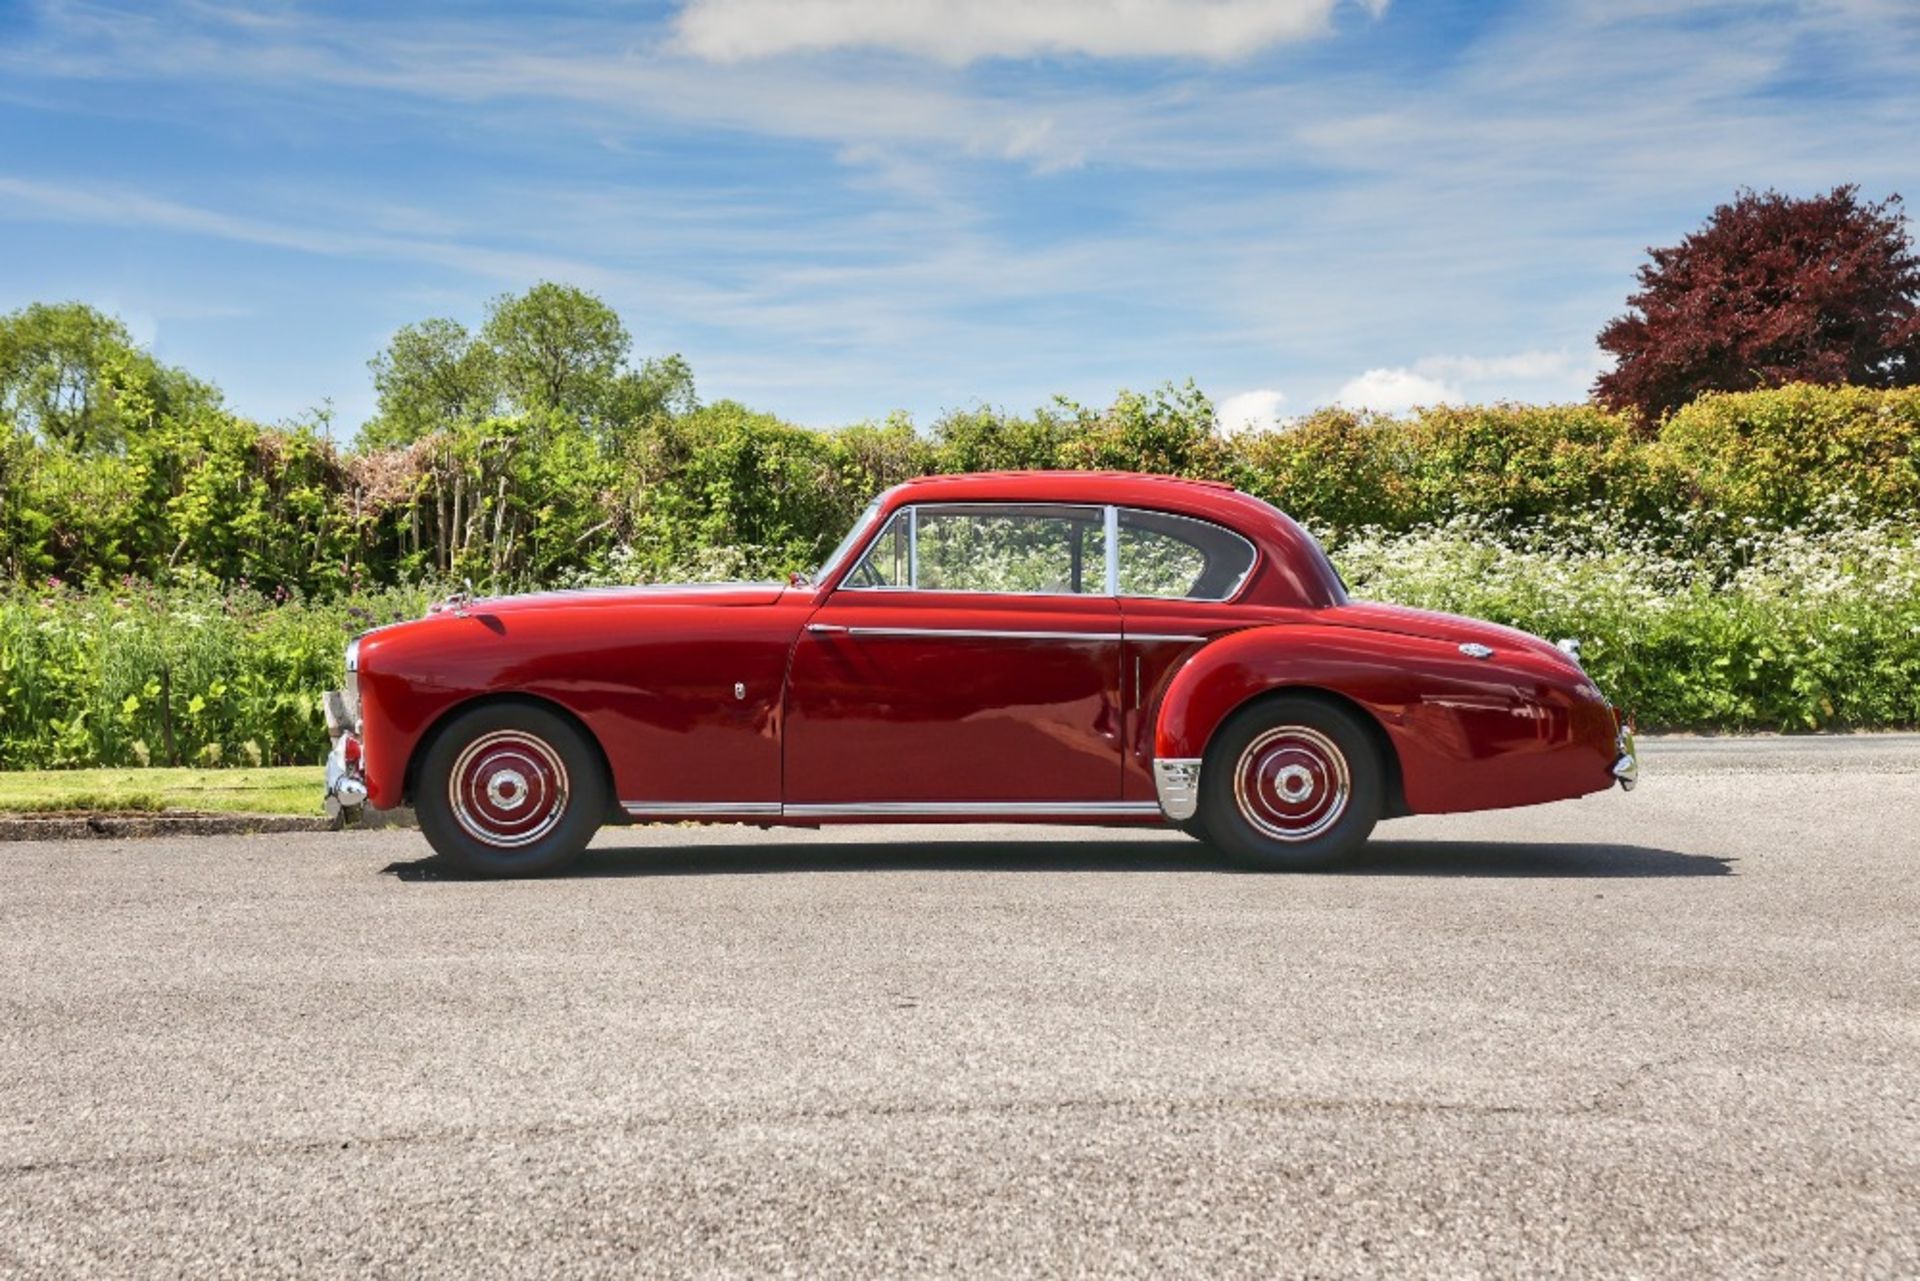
[
  {"x": 457, "y": 600},
  {"x": 1474, "y": 649}
]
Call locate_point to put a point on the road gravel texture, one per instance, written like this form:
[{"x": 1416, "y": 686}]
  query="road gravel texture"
[{"x": 1672, "y": 1033}]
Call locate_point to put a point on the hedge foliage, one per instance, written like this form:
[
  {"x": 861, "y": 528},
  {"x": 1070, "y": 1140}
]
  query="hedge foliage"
[
  {"x": 540, "y": 498},
  {"x": 184, "y": 594},
  {"x": 1814, "y": 626},
  {"x": 195, "y": 675}
]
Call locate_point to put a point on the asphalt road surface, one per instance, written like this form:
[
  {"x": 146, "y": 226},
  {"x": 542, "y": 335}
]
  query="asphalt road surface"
[{"x": 1673, "y": 1033}]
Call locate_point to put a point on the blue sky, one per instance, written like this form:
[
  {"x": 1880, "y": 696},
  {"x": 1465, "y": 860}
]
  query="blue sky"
[{"x": 839, "y": 208}]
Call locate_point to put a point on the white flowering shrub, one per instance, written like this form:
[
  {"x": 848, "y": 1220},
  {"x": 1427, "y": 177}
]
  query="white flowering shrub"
[{"x": 1799, "y": 628}]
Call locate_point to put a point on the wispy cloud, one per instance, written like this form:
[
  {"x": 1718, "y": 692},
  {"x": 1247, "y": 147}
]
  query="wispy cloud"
[
  {"x": 22, "y": 199},
  {"x": 863, "y": 212},
  {"x": 961, "y": 31}
]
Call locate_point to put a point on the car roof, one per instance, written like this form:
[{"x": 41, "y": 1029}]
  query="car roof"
[
  {"x": 1296, "y": 570},
  {"x": 1122, "y": 488}
]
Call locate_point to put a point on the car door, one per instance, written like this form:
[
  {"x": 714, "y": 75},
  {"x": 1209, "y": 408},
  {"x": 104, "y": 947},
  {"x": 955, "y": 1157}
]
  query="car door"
[
  {"x": 969, "y": 664},
  {"x": 1177, "y": 580}
]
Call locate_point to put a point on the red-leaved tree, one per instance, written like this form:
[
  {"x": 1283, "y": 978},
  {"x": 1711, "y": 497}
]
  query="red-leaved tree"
[{"x": 1772, "y": 290}]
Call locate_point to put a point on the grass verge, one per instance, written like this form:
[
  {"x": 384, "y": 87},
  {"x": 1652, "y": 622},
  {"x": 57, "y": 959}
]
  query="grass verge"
[{"x": 288, "y": 790}]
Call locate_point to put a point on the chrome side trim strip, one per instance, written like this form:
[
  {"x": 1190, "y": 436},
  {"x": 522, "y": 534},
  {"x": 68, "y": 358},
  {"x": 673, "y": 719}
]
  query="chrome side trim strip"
[
  {"x": 983, "y": 634},
  {"x": 1002, "y": 634},
  {"x": 697, "y": 809},
  {"x": 972, "y": 809},
  {"x": 1178, "y": 783}
]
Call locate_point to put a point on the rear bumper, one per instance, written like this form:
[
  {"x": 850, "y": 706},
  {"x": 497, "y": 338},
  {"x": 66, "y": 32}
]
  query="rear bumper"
[{"x": 1626, "y": 766}]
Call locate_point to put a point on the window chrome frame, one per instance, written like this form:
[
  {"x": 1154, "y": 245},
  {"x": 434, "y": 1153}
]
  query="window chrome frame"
[{"x": 1110, "y": 514}]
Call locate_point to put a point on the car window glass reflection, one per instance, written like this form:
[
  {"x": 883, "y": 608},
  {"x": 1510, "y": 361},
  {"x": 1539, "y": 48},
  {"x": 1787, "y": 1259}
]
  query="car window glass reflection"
[
  {"x": 1179, "y": 558},
  {"x": 1011, "y": 549},
  {"x": 889, "y": 562}
]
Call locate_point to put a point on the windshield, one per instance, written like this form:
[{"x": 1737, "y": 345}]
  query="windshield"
[{"x": 838, "y": 554}]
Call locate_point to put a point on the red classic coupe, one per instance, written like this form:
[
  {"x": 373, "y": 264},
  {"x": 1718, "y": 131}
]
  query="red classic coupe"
[{"x": 1036, "y": 647}]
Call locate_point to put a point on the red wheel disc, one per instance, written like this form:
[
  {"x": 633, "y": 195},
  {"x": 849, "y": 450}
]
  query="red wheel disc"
[
  {"x": 1292, "y": 783},
  {"x": 508, "y": 789}
]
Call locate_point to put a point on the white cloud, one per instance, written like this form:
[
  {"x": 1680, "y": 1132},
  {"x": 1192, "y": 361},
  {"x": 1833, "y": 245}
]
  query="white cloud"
[
  {"x": 1557, "y": 375},
  {"x": 1531, "y": 376},
  {"x": 1256, "y": 410},
  {"x": 1524, "y": 365},
  {"x": 961, "y": 31},
  {"x": 1394, "y": 391}
]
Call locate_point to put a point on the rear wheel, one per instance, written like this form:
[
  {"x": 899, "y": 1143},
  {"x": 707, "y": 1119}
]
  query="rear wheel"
[
  {"x": 510, "y": 789},
  {"x": 1291, "y": 784}
]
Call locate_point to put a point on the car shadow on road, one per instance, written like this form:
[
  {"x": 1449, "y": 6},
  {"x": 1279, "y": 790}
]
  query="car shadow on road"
[{"x": 1568, "y": 860}]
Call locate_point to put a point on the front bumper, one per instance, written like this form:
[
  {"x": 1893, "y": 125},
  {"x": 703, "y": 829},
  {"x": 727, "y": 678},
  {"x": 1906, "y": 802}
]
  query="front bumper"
[
  {"x": 1626, "y": 767},
  {"x": 345, "y": 779}
]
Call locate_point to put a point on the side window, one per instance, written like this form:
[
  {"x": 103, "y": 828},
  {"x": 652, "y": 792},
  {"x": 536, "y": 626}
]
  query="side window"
[
  {"x": 1180, "y": 558},
  {"x": 974, "y": 547},
  {"x": 889, "y": 562}
]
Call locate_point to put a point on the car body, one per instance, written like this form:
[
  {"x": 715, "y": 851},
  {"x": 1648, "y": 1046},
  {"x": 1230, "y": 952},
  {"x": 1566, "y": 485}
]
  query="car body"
[{"x": 1058, "y": 647}]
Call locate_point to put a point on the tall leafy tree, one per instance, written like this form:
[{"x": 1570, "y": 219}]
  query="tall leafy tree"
[
  {"x": 73, "y": 376},
  {"x": 433, "y": 376},
  {"x": 1771, "y": 290},
  {"x": 557, "y": 348}
]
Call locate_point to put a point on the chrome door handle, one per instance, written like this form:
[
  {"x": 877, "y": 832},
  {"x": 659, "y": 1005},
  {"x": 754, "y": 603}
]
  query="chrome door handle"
[{"x": 826, "y": 629}]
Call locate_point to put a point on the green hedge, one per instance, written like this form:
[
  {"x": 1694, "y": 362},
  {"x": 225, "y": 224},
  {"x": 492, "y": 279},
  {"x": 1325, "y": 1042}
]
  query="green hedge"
[
  {"x": 138, "y": 676},
  {"x": 538, "y": 500},
  {"x": 1817, "y": 626}
]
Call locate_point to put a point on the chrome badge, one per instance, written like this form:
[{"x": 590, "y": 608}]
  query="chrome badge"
[{"x": 1474, "y": 649}]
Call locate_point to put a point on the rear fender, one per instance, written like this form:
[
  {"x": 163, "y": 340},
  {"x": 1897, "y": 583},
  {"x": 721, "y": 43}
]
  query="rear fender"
[{"x": 1455, "y": 724}]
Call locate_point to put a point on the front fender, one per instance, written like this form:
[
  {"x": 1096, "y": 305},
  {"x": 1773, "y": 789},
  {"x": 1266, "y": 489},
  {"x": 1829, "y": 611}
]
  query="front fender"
[{"x": 1468, "y": 733}]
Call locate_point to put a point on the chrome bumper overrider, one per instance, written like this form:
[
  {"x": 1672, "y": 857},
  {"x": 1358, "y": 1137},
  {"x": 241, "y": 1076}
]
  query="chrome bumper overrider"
[
  {"x": 1178, "y": 783},
  {"x": 1627, "y": 767}
]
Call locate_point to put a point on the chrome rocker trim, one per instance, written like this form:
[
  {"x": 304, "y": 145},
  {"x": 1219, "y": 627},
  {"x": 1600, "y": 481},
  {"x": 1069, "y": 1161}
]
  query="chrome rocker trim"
[
  {"x": 971, "y": 809},
  {"x": 889, "y": 809},
  {"x": 701, "y": 809},
  {"x": 1178, "y": 784}
]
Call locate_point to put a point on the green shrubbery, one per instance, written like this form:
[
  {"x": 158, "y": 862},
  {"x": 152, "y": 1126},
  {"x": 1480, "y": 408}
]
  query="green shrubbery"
[
  {"x": 136, "y": 675},
  {"x": 1751, "y": 564},
  {"x": 1816, "y": 626},
  {"x": 540, "y": 497},
  {"x": 1808, "y": 627}
]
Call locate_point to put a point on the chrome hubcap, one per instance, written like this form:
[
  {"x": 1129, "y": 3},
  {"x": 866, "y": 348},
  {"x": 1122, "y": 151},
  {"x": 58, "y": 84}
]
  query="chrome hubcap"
[{"x": 507, "y": 789}]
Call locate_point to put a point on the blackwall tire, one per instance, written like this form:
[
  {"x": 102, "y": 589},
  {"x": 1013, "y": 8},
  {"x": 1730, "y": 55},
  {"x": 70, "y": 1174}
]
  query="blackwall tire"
[
  {"x": 1291, "y": 784},
  {"x": 510, "y": 789}
]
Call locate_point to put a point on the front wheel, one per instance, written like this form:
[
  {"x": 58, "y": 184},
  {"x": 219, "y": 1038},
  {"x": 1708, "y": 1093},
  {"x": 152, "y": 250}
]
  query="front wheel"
[
  {"x": 1291, "y": 784},
  {"x": 510, "y": 789}
]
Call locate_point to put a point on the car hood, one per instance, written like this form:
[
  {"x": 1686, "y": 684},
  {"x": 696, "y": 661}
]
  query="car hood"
[
  {"x": 654, "y": 594},
  {"x": 1433, "y": 625}
]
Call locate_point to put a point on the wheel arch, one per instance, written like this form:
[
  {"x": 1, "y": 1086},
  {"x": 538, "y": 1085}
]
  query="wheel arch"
[
  {"x": 1395, "y": 801},
  {"x": 1264, "y": 663},
  {"x": 453, "y": 711}
]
